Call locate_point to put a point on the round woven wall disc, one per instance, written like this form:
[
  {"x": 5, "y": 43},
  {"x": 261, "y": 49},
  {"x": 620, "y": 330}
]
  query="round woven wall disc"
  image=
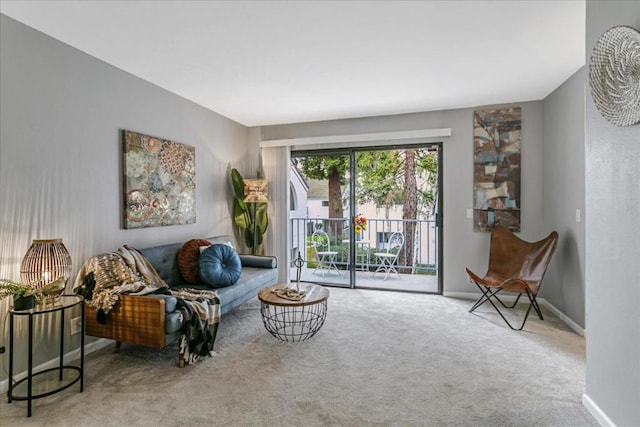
[{"x": 614, "y": 75}]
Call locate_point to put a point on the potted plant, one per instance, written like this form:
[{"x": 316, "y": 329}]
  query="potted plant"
[{"x": 23, "y": 295}]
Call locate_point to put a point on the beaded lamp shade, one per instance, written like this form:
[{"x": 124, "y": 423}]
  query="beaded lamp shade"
[
  {"x": 45, "y": 261},
  {"x": 255, "y": 191}
]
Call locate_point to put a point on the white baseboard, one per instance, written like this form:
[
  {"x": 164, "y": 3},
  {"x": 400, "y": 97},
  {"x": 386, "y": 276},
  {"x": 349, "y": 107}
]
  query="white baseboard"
[
  {"x": 596, "y": 412},
  {"x": 511, "y": 298},
  {"x": 573, "y": 325},
  {"x": 89, "y": 348}
]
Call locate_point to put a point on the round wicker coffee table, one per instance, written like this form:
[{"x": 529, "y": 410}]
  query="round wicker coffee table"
[{"x": 294, "y": 321}]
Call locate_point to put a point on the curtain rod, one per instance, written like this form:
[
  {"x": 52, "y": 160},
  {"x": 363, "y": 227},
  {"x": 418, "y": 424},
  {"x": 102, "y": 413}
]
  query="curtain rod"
[{"x": 362, "y": 137}]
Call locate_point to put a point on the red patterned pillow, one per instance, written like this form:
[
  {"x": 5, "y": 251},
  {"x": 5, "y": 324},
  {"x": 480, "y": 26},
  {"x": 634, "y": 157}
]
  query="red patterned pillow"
[{"x": 188, "y": 257}]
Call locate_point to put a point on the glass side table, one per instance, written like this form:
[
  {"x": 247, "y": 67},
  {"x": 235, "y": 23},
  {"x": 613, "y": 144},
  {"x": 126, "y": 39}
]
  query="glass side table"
[{"x": 48, "y": 381}]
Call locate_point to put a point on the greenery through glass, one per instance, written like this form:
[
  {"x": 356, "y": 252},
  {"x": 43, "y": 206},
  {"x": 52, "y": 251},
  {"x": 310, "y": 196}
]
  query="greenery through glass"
[{"x": 386, "y": 178}]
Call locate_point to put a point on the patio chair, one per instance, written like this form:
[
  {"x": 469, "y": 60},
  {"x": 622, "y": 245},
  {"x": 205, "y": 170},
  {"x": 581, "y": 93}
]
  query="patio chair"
[
  {"x": 326, "y": 257},
  {"x": 387, "y": 260},
  {"x": 515, "y": 266}
]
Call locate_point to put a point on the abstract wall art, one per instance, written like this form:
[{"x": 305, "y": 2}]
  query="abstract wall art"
[
  {"x": 159, "y": 181},
  {"x": 496, "y": 162}
]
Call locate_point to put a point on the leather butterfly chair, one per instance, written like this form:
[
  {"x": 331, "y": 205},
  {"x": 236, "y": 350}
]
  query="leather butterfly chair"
[{"x": 515, "y": 266}]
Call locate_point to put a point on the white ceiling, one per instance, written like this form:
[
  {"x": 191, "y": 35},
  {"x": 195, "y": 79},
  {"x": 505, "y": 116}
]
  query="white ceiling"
[{"x": 270, "y": 62}]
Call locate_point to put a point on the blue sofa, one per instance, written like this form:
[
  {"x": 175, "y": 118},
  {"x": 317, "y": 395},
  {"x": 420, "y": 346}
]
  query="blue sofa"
[{"x": 152, "y": 320}]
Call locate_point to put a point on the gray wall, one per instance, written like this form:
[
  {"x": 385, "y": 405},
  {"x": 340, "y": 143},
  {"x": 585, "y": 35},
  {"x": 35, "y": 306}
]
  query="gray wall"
[
  {"x": 462, "y": 246},
  {"x": 612, "y": 243},
  {"x": 563, "y": 193},
  {"x": 61, "y": 112},
  {"x": 60, "y": 154}
]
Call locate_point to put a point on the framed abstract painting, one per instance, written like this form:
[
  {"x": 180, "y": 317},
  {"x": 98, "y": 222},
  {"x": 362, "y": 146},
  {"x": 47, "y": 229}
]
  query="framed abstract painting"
[
  {"x": 159, "y": 181},
  {"x": 496, "y": 168}
]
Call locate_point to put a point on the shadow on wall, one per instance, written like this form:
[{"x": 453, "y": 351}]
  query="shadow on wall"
[{"x": 564, "y": 283}]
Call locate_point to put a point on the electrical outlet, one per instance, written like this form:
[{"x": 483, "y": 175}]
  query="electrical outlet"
[{"x": 76, "y": 325}]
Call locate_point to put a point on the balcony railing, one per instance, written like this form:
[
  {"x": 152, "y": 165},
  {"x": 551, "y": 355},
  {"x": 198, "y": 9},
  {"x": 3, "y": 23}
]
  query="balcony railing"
[{"x": 422, "y": 260}]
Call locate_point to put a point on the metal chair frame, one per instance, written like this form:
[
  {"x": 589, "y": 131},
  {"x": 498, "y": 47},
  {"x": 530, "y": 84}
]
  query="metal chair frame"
[
  {"x": 326, "y": 257},
  {"x": 528, "y": 263},
  {"x": 488, "y": 294},
  {"x": 388, "y": 259}
]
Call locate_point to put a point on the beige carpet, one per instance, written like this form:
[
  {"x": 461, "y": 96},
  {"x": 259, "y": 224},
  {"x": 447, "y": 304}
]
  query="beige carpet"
[{"x": 382, "y": 358}]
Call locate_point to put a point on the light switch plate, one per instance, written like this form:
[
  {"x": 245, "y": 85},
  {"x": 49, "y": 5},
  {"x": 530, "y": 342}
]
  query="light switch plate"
[
  {"x": 578, "y": 215},
  {"x": 469, "y": 213}
]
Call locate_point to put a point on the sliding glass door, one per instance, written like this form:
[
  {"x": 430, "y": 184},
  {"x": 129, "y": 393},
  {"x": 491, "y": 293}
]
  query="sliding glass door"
[
  {"x": 368, "y": 217},
  {"x": 320, "y": 211}
]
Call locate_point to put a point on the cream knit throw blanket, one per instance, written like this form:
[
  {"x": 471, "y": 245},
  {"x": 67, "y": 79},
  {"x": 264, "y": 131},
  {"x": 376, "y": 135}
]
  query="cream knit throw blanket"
[{"x": 124, "y": 271}]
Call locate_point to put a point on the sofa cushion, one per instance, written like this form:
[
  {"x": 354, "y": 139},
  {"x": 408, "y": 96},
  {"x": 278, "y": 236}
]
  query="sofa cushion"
[
  {"x": 258, "y": 261},
  {"x": 251, "y": 280},
  {"x": 188, "y": 257},
  {"x": 172, "y": 322},
  {"x": 170, "y": 302},
  {"x": 219, "y": 266}
]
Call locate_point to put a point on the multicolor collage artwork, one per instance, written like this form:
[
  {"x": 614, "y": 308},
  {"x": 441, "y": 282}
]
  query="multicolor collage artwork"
[
  {"x": 496, "y": 175},
  {"x": 159, "y": 181}
]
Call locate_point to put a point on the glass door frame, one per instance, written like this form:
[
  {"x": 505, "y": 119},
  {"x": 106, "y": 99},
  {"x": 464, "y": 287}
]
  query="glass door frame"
[
  {"x": 346, "y": 152},
  {"x": 351, "y": 153}
]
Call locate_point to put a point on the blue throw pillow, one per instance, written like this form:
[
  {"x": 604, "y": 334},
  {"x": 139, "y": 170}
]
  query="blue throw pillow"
[{"x": 219, "y": 266}]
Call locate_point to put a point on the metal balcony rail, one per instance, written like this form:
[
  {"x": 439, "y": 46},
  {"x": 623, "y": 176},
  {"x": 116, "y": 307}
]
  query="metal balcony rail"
[{"x": 423, "y": 259}]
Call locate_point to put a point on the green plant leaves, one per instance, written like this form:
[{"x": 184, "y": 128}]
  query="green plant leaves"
[{"x": 248, "y": 216}]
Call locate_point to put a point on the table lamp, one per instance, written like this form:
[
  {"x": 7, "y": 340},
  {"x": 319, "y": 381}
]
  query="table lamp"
[
  {"x": 45, "y": 262},
  {"x": 255, "y": 191}
]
